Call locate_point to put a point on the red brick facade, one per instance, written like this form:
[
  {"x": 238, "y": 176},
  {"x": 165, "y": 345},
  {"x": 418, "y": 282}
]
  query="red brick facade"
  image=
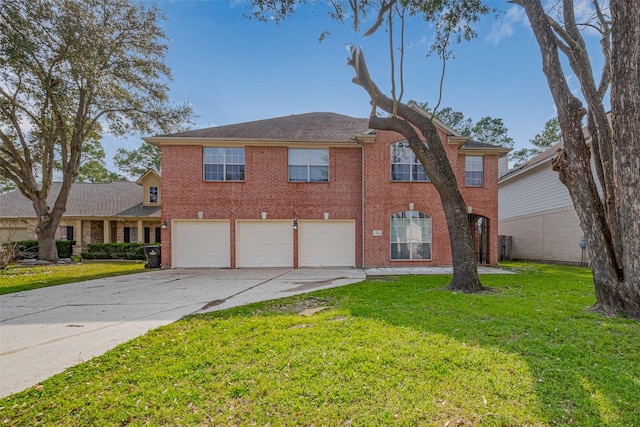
[{"x": 267, "y": 188}]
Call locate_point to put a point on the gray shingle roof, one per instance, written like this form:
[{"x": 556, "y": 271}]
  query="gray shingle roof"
[
  {"x": 116, "y": 199},
  {"x": 546, "y": 154},
  {"x": 297, "y": 127}
]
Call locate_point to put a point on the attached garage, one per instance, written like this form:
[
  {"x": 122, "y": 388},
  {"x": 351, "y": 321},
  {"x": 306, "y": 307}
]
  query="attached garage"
[
  {"x": 201, "y": 243},
  {"x": 264, "y": 243},
  {"x": 327, "y": 243}
]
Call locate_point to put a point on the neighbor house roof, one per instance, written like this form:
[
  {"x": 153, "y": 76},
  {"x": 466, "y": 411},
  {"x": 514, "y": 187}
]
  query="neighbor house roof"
[
  {"x": 546, "y": 156},
  {"x": 115, "y": 199},
  {"x": 296, "y": 127}
]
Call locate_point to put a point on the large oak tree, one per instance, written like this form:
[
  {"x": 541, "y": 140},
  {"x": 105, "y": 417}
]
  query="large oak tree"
[
  {"x": 66, "y": 67},
  {"x": 453, "y": 20},
  {"x": 610, "y": 219}
]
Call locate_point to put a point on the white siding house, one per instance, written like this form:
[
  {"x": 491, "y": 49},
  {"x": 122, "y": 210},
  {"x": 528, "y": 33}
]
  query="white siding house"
[{"x": 535, "y": 208}]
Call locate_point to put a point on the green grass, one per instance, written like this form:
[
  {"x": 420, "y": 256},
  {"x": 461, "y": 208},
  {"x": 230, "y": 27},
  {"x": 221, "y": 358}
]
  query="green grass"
[
  {"x": 391, "y": 351},
  {"x": 18, "y": 278}
]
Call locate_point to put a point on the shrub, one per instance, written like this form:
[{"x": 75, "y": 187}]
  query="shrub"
[
  {"x": 95, "y": 255},
  {"x": 65, "y": 248},
  {"x": 133, "y": 251}
]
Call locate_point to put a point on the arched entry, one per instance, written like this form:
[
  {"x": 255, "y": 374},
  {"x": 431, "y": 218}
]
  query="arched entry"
[{"x": 479, "y": 226}]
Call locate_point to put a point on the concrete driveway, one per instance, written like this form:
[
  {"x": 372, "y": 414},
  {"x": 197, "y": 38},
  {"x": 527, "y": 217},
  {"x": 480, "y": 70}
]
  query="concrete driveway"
[{"x": 45, "y": 331}]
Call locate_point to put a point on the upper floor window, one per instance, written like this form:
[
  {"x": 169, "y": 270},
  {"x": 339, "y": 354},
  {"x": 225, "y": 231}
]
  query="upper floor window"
[
  {"x": 308, "y": 165},
  {"x": 153, "y": 194},
  {"x": 405, "y": 166},
  {"x": 410, "y": 235},
  {"x": 474, "y": 171},
  {"x": 223, "y": 164}
]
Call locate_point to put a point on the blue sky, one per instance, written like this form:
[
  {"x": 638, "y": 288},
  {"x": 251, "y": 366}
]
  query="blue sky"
[{"x": 232, "y": 69}]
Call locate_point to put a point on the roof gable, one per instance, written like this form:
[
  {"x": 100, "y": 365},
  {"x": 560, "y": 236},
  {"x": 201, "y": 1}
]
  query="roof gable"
[{"x": 148, "y": 175}]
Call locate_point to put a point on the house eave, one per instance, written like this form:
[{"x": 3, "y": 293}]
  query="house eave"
[
  {"x": 221, "y": 142},
  {"x": 514, "y": 174},
  {"x": 485, "y": 150}
]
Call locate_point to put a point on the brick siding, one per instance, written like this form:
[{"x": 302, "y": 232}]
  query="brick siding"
[{"x": 266, "y": 186}]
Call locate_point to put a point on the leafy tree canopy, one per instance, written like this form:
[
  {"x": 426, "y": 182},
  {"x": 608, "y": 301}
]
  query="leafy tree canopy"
[
  {"x": 136, "y": 162},
  {"x": 68, "y": 67},
  {"x": 549, "y": 136},
  {"x": 488, "y": 129}
]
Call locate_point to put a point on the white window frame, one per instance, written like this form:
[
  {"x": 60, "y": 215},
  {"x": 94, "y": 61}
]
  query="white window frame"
[
  {"x": 227, "y": 157},
  {"x": 402, "y": 155},
  {"x": 413, "y": 229},
  {"x": 474, "y": 171},
  {"x": 308, "y": 158}
]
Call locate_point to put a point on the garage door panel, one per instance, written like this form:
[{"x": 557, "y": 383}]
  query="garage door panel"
[
  {"x": 264, "y": 243},
  {"x": 201, "y": 244},
  {"x": 326, "y": 243}
]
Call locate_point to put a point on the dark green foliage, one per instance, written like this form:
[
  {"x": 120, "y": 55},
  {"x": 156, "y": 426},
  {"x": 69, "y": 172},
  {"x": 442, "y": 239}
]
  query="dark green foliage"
[
  {"x": 114, "y": 251},
  {"x": 65, "y": 248},
  {"x": 95, "y": 255}
]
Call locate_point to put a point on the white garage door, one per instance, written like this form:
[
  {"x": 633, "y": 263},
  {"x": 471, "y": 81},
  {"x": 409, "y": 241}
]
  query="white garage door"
[
  {"x": 266, "y": 243},
  {"x": 327, "y": 243},
  {"x": 200, "y": 243}
]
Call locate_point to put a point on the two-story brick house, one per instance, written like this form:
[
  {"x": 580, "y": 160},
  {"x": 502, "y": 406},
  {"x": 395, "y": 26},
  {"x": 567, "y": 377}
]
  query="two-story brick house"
[{"x": 317, "y": 189}]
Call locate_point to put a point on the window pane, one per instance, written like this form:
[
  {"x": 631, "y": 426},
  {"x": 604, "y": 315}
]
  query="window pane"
[
  {"x": 298, "y": 156},
  {"x": 298, "y": 173},
  {"x": 421, "y": 251},
  {"x": 153, "y": 194},
  {"x": 217, "y": 160},
  {"x": 213, "y": 172},
  {"x": 235, "y": 156},
  {"x": 319, "y": 157},
  {"x": 400, "y": 251},
  {"x": 401, "y": 153},
  {"x": 474, "y": 171},
  {"x": 419, "y": 174},
  {"x": 410, "y": 235},
  {"x": 213, "y": 155},
  {"x": 235, "y": 173},
  {"x": 400, "y": 172},
  {"x": 405, "y": 165},
  {"x": 473, "y": 163},
  {"x": 319, "y": 173},
  {"x": 474, "y": 179}
]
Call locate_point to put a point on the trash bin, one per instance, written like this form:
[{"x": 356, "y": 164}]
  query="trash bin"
[{"x": 153, "y": 256}]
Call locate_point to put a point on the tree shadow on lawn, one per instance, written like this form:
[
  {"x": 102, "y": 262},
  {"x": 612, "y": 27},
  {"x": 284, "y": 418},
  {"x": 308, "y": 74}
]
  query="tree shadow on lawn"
[{"x": 586, "y": 367}]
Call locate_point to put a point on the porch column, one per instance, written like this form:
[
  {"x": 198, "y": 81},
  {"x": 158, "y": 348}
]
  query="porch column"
[
  {"x": 106, "y": 233},
  {"x": 140, "y": 232},
  {"x": 79, "y": 235}
]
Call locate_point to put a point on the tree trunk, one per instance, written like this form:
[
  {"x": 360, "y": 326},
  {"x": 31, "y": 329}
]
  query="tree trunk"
[
  {"x": 612, "y": 227},
  {"x": 46, "y": 231},
  {"x": 433, "y": 157},
  {"x": 625, "y": 108}
]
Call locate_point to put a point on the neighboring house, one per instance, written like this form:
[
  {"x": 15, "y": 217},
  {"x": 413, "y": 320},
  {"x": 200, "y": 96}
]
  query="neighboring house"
[
  {"x": 96, "y": 213},
  {"x": 535, "y": 208},
  {"x": 317, "y": 189}
]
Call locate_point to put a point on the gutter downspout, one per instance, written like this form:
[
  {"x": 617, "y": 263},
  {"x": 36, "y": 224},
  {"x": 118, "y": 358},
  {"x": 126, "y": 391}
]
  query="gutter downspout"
[{"x": 363, "y": 200}]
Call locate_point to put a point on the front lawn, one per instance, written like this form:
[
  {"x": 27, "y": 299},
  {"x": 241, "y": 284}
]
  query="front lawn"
[
  {"x": 390, "y": 351},
  {"x": 18, "y": 277}
]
